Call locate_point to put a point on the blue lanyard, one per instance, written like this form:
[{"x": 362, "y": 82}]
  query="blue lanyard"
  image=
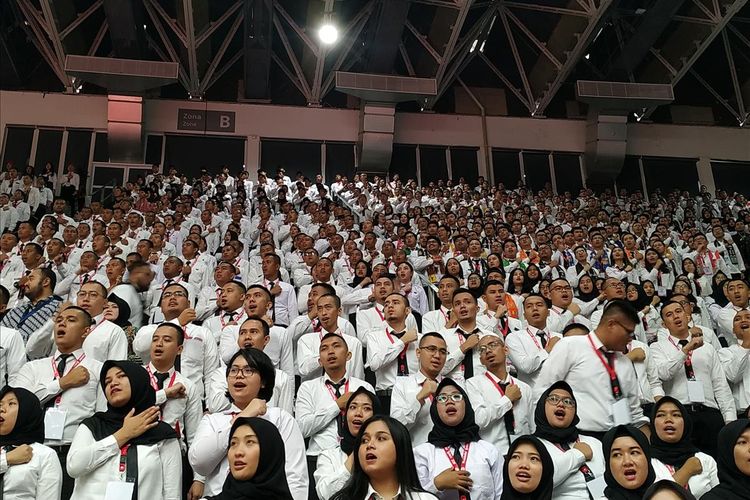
[{"x": 33, "y": 310}]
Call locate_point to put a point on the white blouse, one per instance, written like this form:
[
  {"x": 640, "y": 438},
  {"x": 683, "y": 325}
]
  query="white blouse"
[
  {"x": 94, "y": 463},
  {"x": 569, "y": 483},
  {"x": 484, "y": 463},
  {"x": 699, "y": 484},
  {"x": 331, "y": 473},
  {"x": 38, "y": 479}
]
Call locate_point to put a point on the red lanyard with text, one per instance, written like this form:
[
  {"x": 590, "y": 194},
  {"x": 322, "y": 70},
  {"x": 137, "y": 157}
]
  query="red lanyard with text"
[
  {"x": 464, "y": 460},
  {"x": 124, "y": 462},
  {"x": 497, "y": 386},
  {"x": 154, "y": 383},
  {"x": 689, "y": 370},
  {"x": 533, "y": 337},
  {"x": 233, "y": 322},
  {"x": 615, "y": 383},
  {"x": 382, "y": 318},
  {"x": 56, "y": 374},
  {"x": 583, "y": 469},
  {"x": 333, "y": 393}
]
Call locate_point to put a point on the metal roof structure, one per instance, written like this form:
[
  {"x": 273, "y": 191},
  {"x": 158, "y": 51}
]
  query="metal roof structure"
[{"x": 268, "y": 50}]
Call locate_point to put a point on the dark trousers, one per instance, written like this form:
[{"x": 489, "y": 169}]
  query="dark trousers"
[
  {"x": 68, "y": 482},
  {"x": 707, "y": 422},
  {"x": 312, "y": 464},
  {"x": 385, "y": 400}
]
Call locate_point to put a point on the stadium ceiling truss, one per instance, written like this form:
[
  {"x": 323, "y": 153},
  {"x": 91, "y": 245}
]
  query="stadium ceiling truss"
[{"x": 435, "y": 39}]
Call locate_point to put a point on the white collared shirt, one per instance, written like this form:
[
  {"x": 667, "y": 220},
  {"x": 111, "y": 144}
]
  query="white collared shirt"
[
  {"x": 79, "y": 402},
  {"x": 484, "y": 463},
  {"x": 38, "y": 479},
  {"x": 331, "y": 473},
  {"x": 434, "y": 321},
  {"x": 735, "y": 360},
  {"x": 490, "y": 407},
  {"x": 208, "y": 455},
  {"x": 12, "y": 353},
  {"x": 308, "y": 355},
  {"x": 186, "y": 411},
  {"x": 284, "y": 304},
  {"x": 373, "y": 319},
  {"x": 279, "y": 347},
  {"x": 576, "y": 362},
  {"x": 649, "y": 383},
  {"x": 526, "y": 352},
  {"x": 216, "y": 392},
  {"x": 382, "y": 356},
  {"x": 406, "y": 408},
  {"x": 670, "y": 362},
  {"x": 698, "y": 484},
  {"x": 106, "y": 341},
  {"x": 454, "y": 362},
  {"x": 317, "y": 413},
  {"x": 568, "y": 480}
]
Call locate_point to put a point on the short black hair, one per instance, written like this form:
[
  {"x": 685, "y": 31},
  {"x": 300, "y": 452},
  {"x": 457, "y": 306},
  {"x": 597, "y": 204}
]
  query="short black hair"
[
  {"x": 260, "y": 287},
  {"x": 336, "y": 335},
  {"x": 179, "y": 331},
  {"x": 86, "y": 316},
  {"x": 329, "y": 290},
  {"x": 464, "y": 290},
  {"x": 622, "y": 307},
  {"x": 4, "y": 295},
  {"x": 266, "y": 329},
  {"x": 431, "y": 334},
  {"x": 259, "y": 361},
  {"x": 336, "y": 299},
  {"x": 574, "y": 326},
  {"x": 49, "y": 274}
]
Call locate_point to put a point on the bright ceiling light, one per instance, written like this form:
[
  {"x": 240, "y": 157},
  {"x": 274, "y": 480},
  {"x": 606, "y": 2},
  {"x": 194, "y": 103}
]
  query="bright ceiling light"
[{"x": 328, "y": 34}]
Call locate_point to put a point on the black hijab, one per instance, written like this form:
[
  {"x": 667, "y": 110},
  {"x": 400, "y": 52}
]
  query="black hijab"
[
  {"x": 614, "y": 491},
  {"x": 349, "y": 440},
  {"x": 443, "y": 435},
  {"x": 123, "y": 318},
  {"x": 142, "y": 397},
  {"x": 733, "y": 484},
  {"x": 588, "y": 297},
  {"x": 269, "y": 481},
  {"x": 29, "y": 426},
  {"x": 544, "y": 490},
  {"x": 642, "y": 300},
  {"x": 543, "y": 428},
  {"x": 674, "y": 454}
]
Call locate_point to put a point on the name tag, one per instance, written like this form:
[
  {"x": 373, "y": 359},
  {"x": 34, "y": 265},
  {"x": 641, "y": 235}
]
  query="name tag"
[
  {"x": 695, "y": 391},
  {"x": 54, "y": 423},
  {"x": 596, "y": 487},
  {"x": 621, "y": 412},
  {"x": 119, "y": 490}
]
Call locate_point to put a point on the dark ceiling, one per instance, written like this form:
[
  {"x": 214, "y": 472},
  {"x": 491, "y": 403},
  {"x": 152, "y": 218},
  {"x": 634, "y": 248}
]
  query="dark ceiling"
[{"x": 268, "y": 50}]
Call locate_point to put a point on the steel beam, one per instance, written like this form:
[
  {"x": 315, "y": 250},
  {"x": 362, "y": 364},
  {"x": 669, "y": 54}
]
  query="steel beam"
[
  {"x": 539, "y": 44},
  {"x": 292, "y": 57},
  {"x": 190, "y": 47},
  {"x": 716, "y": 95},
  {"x": 548, "y": 9},
  {"x": 206, "y": 33},
  {"x": 49, "y": 16},
  {"x": 423, "y": 41},
  {"x": 204, "y": 84},
  {"x": 218, "y": 74},
  {"x": 733, "y": 73},
  {"x": 300, "y": 32},
  {"x": 292, "y": 78},
  {"x": 517, "y": 57},
  {"x": 407, "y": 61},
  {"x": 170, "y": 22},
  {"x": 449, "y": 4},
  {"x": 453, "y": 39},
  {"x": 38, "y": 37},
  {"x": 506, "y": 82},
  {"x": 81, "y": 18},
  {"x": 98, "y": 38}
]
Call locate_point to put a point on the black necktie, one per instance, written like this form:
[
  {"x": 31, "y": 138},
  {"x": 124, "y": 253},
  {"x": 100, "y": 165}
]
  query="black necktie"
[
  {"x": 403, "y": 366},
  {"x": 458, "y": 459},
  {"x": 230, "y": 316},
  {"x": 336, "y": 387},
  {"x": 689, "y": 372},
  {"x": 614, "y": 381},
  {"x": 62, "y": 361},
  {"x": 468, "y": 357},
  {"x": 509, "y": 418},
  {"x": 542, "y": 338},
  {"x": 160, "y": 379}
]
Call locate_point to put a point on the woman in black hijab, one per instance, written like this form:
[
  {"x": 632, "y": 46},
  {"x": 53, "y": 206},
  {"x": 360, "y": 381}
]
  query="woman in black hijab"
[
  {"x": 256, "y": 462},
  {"x": 673, "y": 453},
  {"x": 33, "y": 470},
  {"x": 335, "y": 466},
  {"x": 118, "y": 312},
  {"x": 627, "y": 457},
  {"x": 129, "y": 437},
  {"x": 578, "y": 459},
  {"x": 454, "y": 457},
  {"x": 528, "y": 472},
  {"x": 734, "y": 462}
]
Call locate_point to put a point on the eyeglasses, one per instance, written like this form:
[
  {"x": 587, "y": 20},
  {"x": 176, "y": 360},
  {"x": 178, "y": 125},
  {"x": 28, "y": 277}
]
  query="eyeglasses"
[
  {"x": 455, "y": 397},
  {"x": 629, "y": 331},
  {"x": 561, "y": 289},
  {"x": 82, "y": 294},
  {"x": 177, "y": 294},
  {"x": 432, "y": 349},
  {"x": 247, "y": 371},
  {"x": 614, "y": 285},
  {"x": 489, "y": 347},
  {"x": 555, "y": 400}
]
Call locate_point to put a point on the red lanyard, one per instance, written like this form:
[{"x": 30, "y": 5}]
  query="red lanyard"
[
  {"x": 533, "y": 337},
  {"x": 443, "y": 313},
  {"x": 464, "y": 456},
  {"x": 153, "y": 379},
  {"x": 123, "y": 459},
  {"x": 610, "y": 370},
  {"x": 333, "y": 393},
  {"x": 390, "y": 337},
  {"x": 382, "y": 318},
  {"x": 497, "y": 386},
  {"x": 233, "y": 322},
  {"x": 56, "y": 374}
]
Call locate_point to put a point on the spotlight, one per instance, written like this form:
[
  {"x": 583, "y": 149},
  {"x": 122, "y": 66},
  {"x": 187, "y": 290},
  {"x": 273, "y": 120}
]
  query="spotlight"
[
  {"x": 587, "y": 56},
  {"x": 474, "y": 45},
  {"x": 328, "y": 34}
]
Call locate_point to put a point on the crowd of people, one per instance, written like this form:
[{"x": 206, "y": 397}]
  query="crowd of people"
[{"x": 233, "y": 338}]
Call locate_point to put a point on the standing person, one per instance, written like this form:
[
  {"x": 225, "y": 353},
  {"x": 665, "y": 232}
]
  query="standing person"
[
  {"x": 463, "y": 358},
  {"x": 29, "y": 470},
  {"x": 383, "y": 465},
  {"x": 578, "y": 459},
  {"x": 604, "y": 378},
  {"x": 127, "y": 443},
  {"x": 528, "y": 472},
  {"x": 627, "y": 456},
  {"x": 455, "y": 460},
  {"x": 69, "y": 186},
  {"x": 733, "y": 462},
  {"x": 335, "y": 465},
  {"x": 256, "y": 462}
]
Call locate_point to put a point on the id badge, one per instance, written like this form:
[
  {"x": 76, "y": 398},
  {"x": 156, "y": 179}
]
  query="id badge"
[
  {"x": 119, "y": 490},
  {"x": 695, "y": 391},
  {"x": 596, "y": 487},
  {"x": 621, "y": 412},
  {"x": 54, "y": 423}
]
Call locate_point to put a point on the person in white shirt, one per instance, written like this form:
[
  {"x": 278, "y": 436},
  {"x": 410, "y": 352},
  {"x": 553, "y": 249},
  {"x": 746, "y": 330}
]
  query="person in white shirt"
[
  {"x": 691, "y": 372},
  {"x": 672, "y": 452},
  {"x": 335, "y": 464},
  {"x": 413, "y": 395},
  {"x": 392, "y": 351},
  {"x": 321, "y": 402},
  {"x": 259, "y": 302},
  {"x": 463, "y": 359},
  {"x": 29, "y": 469},
  {"x": 565, "y": 309},
  {"x": 127, "y": 443},
  {"x": 373, "y": 318},
  {"x": 529, "y": 348},
  {"x": 66, "y": 383},
  {"x": 106, "y": 340},
  {"x": 455, "y": 459},
  {"x": 226, "y": 323},
  {"x": 250, "y": 381},
  {"x": 495, "y": 317},
  {"x": 200, "y": 355},
  {"x": 383, "y": 465},
  {"x": 436, "y": 321},
  {"x": 12, "y": 353},
  {"x": 503, "y": 404},
  {"x": 736, "y": 362},
  {"x": 738, "y": 293},
  {"x": 208, "y": 297},
  {"x": 578, "y": 459},
  {"x": 285, "y": 299},
  {"x": 602, "y": 377}
]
